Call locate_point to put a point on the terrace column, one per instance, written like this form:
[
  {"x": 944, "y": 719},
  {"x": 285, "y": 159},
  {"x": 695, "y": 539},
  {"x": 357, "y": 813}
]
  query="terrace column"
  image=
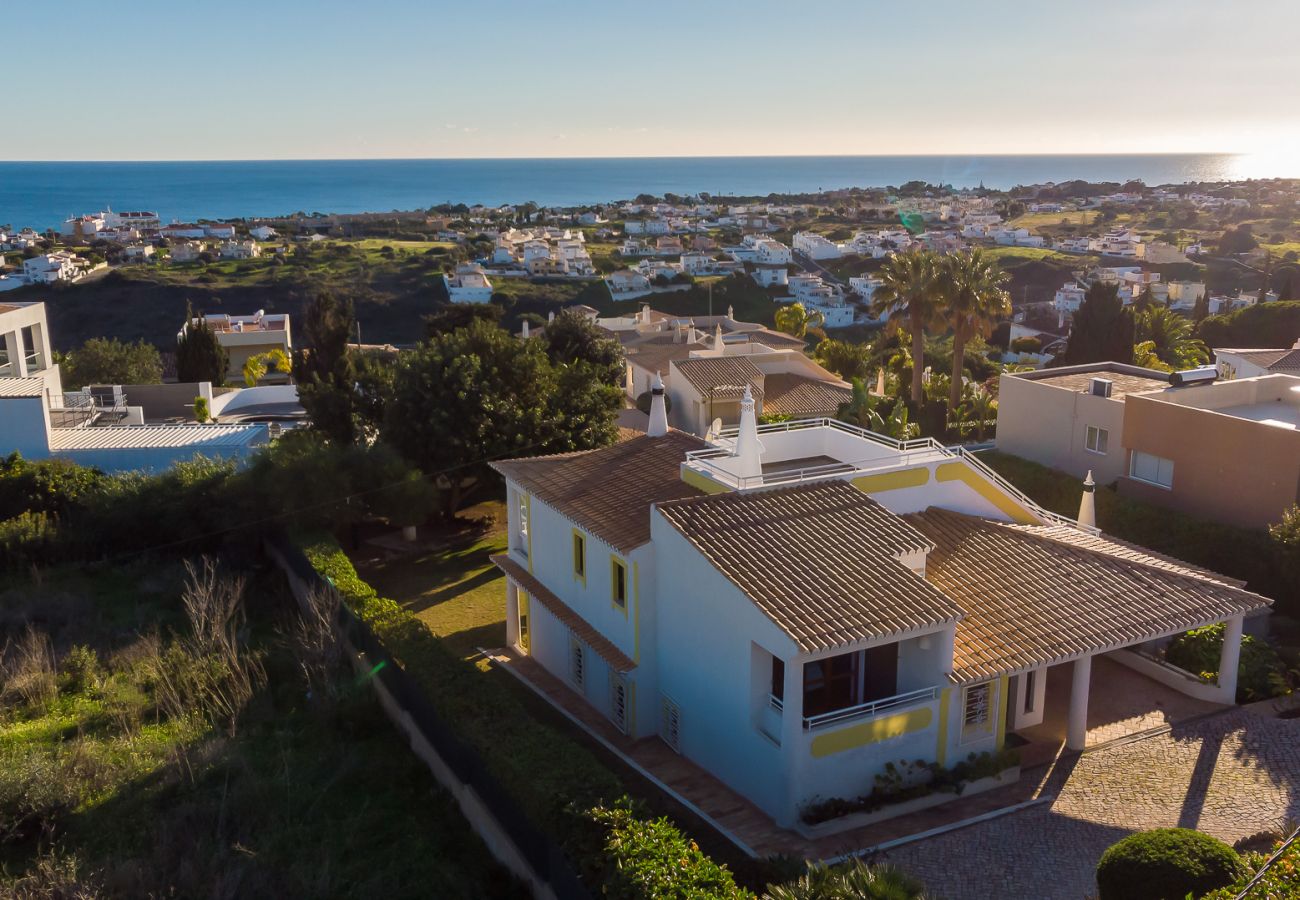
[
  {"x": 1076, "y": 730},
  {"x": 794, "y": 742},
  {"x": 14, "y": 350},
  {"x": 1230, "y": 659}
]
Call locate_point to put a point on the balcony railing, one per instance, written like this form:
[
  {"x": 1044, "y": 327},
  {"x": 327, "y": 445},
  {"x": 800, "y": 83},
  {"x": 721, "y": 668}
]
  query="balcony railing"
[{"x": 869, "y": 710}]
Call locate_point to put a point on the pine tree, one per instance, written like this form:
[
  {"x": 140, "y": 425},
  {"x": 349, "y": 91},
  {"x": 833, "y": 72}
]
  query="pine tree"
[{"x": 199, "y": 355}]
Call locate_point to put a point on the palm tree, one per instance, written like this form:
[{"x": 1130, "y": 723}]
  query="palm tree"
[
  {"x": 1171, "y": 338},
  {"x": 909, "y": 293},
  {"x": 977, "y": 300},
  {"x": 978, "y": 408},
  {"x": 865, "y": 410},
  {"x": 795, "y": 320}
]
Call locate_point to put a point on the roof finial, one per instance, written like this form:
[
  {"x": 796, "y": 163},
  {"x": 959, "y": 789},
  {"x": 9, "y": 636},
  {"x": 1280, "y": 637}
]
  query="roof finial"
[
  {"x": 1088, "y": 503},
  {"x": 748, "y": 452},
  {"x": 658, "y": 424}
]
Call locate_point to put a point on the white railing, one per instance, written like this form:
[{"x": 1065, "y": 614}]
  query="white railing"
[{"x": 868, "y": 710}]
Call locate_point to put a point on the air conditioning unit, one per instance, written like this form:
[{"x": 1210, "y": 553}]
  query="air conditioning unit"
[
  {"x": 1100, "y": 387},
  {"x": 1199, "y": 375}
]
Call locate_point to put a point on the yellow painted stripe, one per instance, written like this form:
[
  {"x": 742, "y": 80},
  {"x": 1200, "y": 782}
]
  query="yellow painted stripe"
[
  {"x": 892, "y": 481},
  {"x": 1002, "y": 711},
  {"x": 700, "y": 482},
  {"x": 959, "y": 471},
  {"x": 636, "y": 612},
  {"x": 872, "y": 732},
  {"x": 941, "y": 753}
]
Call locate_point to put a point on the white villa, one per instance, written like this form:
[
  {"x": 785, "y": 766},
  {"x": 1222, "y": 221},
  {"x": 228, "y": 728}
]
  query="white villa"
[
  {"x": 96, "y": 426},
  {"x": 248, "y": 249},
  {"x": 818, "y": 295},
  {"x": 52, "y": 268},
  {"x": 791, "y": 607},
  {"x": 816, "y": 246},
  {"x": 469, "y": 284}
]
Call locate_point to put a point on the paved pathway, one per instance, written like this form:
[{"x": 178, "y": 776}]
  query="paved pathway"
[{"x": 1231, "y": 775}]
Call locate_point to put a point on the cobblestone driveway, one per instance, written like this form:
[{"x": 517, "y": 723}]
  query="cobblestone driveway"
[{"x": 1230, "y": 775}]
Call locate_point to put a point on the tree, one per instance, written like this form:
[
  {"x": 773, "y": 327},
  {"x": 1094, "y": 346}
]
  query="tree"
[
  {"x": 1237, "y": 240},
  {"x": 476, "y": 394},
  {"x": 1170, "y": 336},
  {"x": 1102, "y": 329},
  {"x": 257, "y": 365},
  {"x": 324, "y": 372},
  {"x": 795, "y": 320},
  {"x": 110, "y": 361},
  {"x": 199, "y": 355},
  {"x": 844, "y": 359},
  {"x": 909, "y": 293},
  {"x": 977, "y": 299},
  {"x": 572, "y": 338},
  {"x": 877, "y": 414}
]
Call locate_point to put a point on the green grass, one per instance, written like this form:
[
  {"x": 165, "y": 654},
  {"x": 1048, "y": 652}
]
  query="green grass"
[
  {"x": 1036, "y": 220},
  {"x": 457, "y": 593},
  {"x": 302, "y": 800}
]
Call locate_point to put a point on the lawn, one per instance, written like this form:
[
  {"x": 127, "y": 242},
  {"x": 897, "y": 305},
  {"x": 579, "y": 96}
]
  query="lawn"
[
  {"x": 105, "y": 785},
  {"x": 1082, "y": 217},
  {"x": 456, "y": 592}
]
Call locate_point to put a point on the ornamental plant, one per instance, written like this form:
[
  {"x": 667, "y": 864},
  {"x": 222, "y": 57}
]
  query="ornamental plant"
[{"x": 1166, "y": 864}]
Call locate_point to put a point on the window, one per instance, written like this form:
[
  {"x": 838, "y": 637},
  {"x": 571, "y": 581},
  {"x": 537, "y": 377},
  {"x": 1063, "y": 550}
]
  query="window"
[
  {"x": 1097, "y": 439},
  {"x": 579, "y": 556},
  {"x": 977, "y": 711},
  {"x": 778, "y": 682},
  {"x": 523, "y": 621},
  {"x": 577, "y": 661},
  {"x": 618, "y": 701},
  {"x": 1152, "y": 469},
  {"x": 523, "y": 516},
  {"x": 1031, "y": 682},
  {"x": 670, "y": 723},
  {"x": 618, "y": 583}
]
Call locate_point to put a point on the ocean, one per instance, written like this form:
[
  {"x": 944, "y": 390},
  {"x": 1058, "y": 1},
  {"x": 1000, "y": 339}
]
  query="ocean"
[{"x": 42, "y": 194}]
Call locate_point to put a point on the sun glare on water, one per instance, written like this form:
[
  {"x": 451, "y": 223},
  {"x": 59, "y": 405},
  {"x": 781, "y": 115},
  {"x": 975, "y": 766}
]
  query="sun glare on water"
[{"x": 1274, "y": 162}]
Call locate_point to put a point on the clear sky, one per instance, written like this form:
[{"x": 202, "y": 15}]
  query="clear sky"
[{"x": 161, "y": 79}]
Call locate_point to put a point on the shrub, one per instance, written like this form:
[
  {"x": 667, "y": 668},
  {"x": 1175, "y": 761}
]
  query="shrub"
[
  {"x": 1166, "y": 864},
  {"x": 1280, "y": 880},
  {"x": 79, "y": 671},
  {"x": 632, "y": 857},
  {"x": 1260, "y": 675}
]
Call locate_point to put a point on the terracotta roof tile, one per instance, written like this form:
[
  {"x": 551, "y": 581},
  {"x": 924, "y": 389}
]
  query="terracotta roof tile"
[
  {"x": 1287, "y": 360},
  {"x": 721, "y": 376},
  {"x": 609, "y": 491},
  {"x": 820, "y": 560},
  {"x": 798, "y": 395},
  {"x": 604, "y": 648},
  {"x": 1032, "y": 597}
]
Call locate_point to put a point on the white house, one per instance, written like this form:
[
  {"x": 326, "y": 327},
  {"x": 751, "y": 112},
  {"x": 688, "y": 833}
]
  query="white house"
[
  {"x": 770, "y": 275},
  {"x": 187, "y": 251},
  {"x": 139, "y": 251},
  {"x": 262, "y": 232},
  {"x": 52, "y": 268},
  {"x": 240, "y": 250},
  {"x": 815, "y": 246},
  {"x": 96, "y": 426},
  {"x": 247, "y": 336},
  {"x": 625, "y": 282},
  {"x": 793, "y": 608},
  {"x": 469, "y": 284}
]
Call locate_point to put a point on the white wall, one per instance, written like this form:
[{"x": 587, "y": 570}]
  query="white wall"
[{"x": 1048, "y": 425}]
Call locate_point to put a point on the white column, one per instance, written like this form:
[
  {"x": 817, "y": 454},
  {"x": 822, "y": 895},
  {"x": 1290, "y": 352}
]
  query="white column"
[
  {"x": 14, "y": 349},
  {"x": 793, "y": 741},
  {"x": 1076, "y": 731},
  {"x": 1230, "y": 659},
  {"x": 512, "y": 613}
]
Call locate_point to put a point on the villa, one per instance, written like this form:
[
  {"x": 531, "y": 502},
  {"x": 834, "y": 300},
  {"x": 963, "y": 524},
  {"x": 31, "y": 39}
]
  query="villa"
[
  {"x": 247, "y": 336},
  {"x": 792, "y": 607},
  {"x": 468, "y": 284},
  {"x": 104, "y": 426}
]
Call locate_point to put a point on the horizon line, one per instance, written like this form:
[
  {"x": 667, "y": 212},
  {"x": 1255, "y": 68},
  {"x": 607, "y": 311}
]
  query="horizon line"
[{"x": 1136, "y": 154}]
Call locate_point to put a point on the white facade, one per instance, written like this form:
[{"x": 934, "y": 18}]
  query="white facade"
[
  {"x": 52, "y": 268},
  {"x": 469, "y": 284},
  {"x": 815, "y": 246}
]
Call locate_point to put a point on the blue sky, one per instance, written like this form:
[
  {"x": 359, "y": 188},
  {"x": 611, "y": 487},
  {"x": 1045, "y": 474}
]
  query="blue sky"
[{"x": 149, "y": 79}]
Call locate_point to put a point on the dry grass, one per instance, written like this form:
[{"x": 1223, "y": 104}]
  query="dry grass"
[{"x": 29, "y": 671}]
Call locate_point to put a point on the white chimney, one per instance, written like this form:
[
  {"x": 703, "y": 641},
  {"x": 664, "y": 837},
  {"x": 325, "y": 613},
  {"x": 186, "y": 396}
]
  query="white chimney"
[
  {"x": 658, "y": 424},
  {"x": 550, "y": 317},
  {"x": 1088, "y": 503},
  {"x": 525, "y": 332},
  {"x": 731, "y": 312},
  {"x": 748, "y": 453},
  {"x": 717, "y": 340}
]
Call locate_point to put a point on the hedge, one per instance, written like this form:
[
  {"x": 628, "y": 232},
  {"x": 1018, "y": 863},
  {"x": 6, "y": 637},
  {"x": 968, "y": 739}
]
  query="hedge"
[
  {"x": 560, "y": 786},
  {"x": 1166, "y": 864}
]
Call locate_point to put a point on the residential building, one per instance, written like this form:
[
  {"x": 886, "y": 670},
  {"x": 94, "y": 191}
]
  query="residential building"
[
  {"x": 468, "y": 284},
  {"x": 770, "y": 275},
  {"x": 1227, "y": 451},
  {"x": 793, "y": 609},
  {"x": 248, "y": 336},
  {"x": 139, "y": 252},
  {"x": 97, "y": 426},
  {"x": 248, "y": 249},
  {"x": 627, "y": 281},
  {"x": 187, "y": 251},
  {"x": 1072, "y": 418},
  {"x": 262, "y": 232},
  {"x": 53, "y": 267},
  {"x": 817, "y": 295},
  {"x": 815, "y": 246},
  {"x": 1253, "y": 363}
]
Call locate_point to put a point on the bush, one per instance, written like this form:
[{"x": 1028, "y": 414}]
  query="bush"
[
  {"x": 1261, "y": 674},
  {"x": 1280, "y": 881},
  {"x": 632, "y": 857},
  {"x": 1166, "y": 864}
]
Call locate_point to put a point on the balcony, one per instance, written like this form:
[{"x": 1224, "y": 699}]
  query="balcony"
[{"x": 872, "y": 709}]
